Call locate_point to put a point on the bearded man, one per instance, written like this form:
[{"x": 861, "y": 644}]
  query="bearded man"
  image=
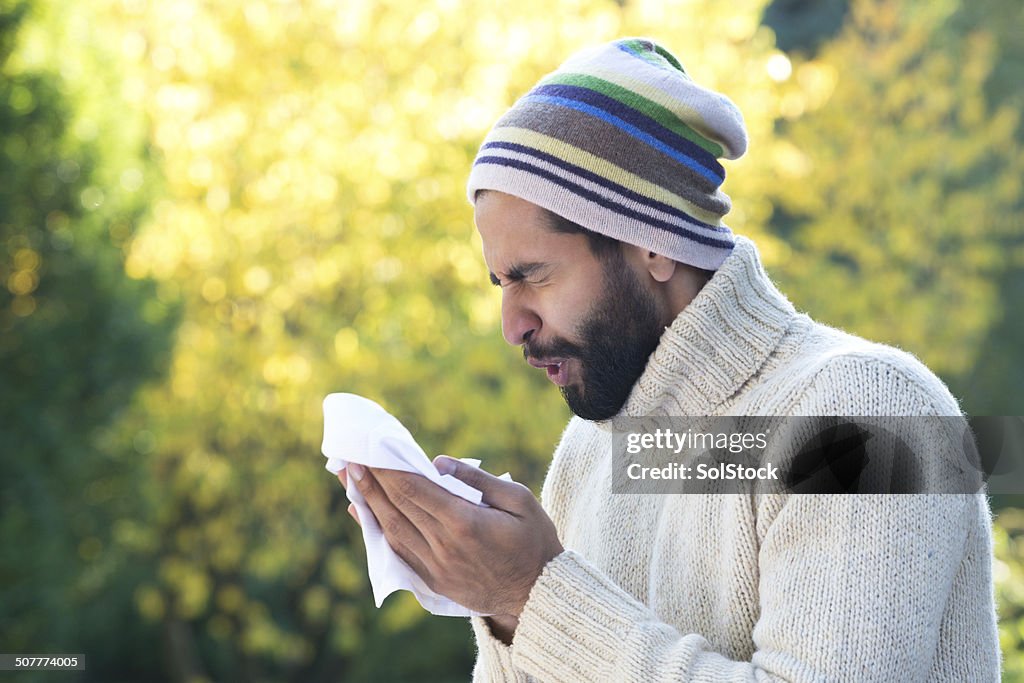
[{"x": 598, "y": 199}]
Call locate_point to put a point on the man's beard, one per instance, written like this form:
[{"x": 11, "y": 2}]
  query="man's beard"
[{"x": 618, "y": 335}]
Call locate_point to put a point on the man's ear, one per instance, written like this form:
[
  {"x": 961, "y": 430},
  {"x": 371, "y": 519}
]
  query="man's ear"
[{"x": 660, "y": 267}]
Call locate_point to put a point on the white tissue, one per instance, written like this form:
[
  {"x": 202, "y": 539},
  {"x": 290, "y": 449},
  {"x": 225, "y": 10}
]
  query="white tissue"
[{"x": 358, "y": 430}]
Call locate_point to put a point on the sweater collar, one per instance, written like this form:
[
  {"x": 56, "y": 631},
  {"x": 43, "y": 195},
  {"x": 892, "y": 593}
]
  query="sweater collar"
[{"x": 718, "y": 342}]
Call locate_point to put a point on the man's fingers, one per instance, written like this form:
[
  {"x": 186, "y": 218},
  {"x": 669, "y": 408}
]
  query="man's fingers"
[
  {"x": 355, "y": 515},
  {"x": 498, "y": 493},
  {"x": 417, "y": 497},
  {"x": 400, "y": 532}
]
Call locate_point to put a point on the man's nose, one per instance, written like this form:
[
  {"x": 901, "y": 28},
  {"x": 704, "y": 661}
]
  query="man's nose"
[{"x": 518, "y": 322}]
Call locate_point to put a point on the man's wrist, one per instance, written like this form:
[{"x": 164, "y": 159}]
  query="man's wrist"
[{"x": 503, "y": 627}]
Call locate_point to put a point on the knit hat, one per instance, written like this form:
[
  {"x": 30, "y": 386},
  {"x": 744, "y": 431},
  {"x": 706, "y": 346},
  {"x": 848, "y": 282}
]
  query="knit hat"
[{"x": 621, "y": 141}]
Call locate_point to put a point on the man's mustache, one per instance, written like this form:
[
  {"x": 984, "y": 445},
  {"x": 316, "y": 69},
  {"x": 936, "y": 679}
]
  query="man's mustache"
[{"x": 556, "y": 348}]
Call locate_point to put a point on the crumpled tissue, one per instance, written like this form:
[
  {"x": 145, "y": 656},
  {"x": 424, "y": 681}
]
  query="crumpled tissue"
[{"x": 358, "y": 430}]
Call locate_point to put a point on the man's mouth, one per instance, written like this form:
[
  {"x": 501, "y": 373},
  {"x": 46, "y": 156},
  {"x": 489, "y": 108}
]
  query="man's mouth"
[{"x": 556, "y": 369}]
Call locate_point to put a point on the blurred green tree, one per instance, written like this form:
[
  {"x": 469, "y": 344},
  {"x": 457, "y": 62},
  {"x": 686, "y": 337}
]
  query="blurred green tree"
[
  {"x": 901, "y": 201},
  {"x": 803, "y": 25},
  {"x": 993, "y": 384},
  {"x": 77, "y": 338},
  {"x": 1009, "y": 573}
]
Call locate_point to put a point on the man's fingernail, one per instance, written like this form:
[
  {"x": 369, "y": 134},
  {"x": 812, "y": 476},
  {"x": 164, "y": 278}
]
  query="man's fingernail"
[
  {"x": 356, "y": 471},
  {"x": 445, "y": 465}
]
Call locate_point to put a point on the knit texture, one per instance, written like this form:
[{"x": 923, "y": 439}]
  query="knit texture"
[
  {"x": 621, "y": 141},
  {"x": 756, "y": 587}
]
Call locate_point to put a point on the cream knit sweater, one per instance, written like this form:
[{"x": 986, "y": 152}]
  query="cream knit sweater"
[{"x": 756, "y": 588}]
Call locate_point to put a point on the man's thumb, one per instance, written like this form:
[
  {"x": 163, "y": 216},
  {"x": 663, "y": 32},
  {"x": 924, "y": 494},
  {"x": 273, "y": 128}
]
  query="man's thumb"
[{"x": 498, "y": 493}]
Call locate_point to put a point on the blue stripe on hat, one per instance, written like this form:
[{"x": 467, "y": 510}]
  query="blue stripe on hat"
[
  {"x": 631, "y": 130},
  {"x": 637, "y": 118}
]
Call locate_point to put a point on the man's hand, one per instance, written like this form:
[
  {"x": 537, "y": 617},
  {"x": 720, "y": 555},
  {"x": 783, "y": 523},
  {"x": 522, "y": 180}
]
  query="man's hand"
[{"x": 486, "y": 559}]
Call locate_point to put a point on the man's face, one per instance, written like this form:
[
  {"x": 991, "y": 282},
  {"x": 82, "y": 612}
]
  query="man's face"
[{"x": 590, "y": 323}]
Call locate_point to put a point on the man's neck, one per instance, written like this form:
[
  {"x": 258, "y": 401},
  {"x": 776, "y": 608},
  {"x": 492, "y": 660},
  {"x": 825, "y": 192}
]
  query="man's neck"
[{"x": 682, "y": 288}]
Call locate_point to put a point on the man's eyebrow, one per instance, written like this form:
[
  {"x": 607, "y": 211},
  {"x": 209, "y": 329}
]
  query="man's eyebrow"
[{"x": 519, "y": 271}]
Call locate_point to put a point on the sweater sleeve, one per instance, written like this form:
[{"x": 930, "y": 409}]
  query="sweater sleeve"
[
  {"x": 494, "y": 658},
  {"x": 852, "y": 588}
]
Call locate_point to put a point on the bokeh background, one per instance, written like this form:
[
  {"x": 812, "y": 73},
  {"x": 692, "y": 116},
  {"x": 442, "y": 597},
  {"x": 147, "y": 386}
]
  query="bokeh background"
[{"x": 213, "y": 213}]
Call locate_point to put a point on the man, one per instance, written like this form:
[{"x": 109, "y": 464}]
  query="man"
[{"x": 598, "y": 200}]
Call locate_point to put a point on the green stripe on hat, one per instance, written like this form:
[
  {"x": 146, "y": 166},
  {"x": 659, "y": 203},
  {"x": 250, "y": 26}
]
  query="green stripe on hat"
[
  {"x": 642, "y": 104},
  {"x": 641, "y": 48}
]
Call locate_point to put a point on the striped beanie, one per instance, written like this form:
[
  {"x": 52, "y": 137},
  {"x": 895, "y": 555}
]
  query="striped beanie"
[{"x": 621, "y": 141}]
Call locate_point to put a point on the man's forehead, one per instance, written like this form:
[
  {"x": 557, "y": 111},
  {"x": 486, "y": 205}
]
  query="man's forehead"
[
  {"x": 496, "y": 207},
  {"x": 514, "y": 221},
  {"x": 511, "y": 248}
]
